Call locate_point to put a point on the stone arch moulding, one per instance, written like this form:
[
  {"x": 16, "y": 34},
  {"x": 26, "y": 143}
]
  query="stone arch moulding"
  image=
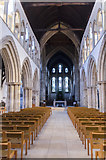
[
  {"x": 91, "y": 63},
  {"x": 11, "y": 59},
  {"x": 71, "y": 35},
  {"x": 26, "y": 66},
  {"x": 26, "y": 73}
]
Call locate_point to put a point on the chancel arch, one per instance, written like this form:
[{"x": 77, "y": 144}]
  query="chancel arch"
[
  {"x": 10, "y": 59},
  {"x": 26, "y": 80},
  {"x": 57, "y": 43}
]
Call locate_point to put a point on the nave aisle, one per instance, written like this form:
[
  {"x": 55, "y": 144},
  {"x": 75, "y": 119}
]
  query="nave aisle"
[{"x": 58, "y": 139}]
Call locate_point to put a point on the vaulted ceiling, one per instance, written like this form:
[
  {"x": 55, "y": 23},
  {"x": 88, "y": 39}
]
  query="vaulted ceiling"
[{"x": 44, "y": 15}]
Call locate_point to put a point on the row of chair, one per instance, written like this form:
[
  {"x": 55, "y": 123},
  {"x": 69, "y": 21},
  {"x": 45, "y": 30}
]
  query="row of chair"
[
  {"x": 90, "y": 125},
  {"x": 20, "y": 128}
]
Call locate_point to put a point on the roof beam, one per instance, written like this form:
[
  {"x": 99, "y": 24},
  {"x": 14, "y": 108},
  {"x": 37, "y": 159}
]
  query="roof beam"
[{"x": 38, "y": 4}]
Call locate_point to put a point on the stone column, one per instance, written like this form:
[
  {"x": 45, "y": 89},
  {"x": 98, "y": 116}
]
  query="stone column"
[
  {"x": 81, "y": 93},
  {"x": 33, "y": 97},
  {"x": 102, "y": 96},
  {"x": 8, "y": 98},
  {"x": 77, "y": 85},
  {"x": 85, "y": 97},
  {"x": 89, "y": 90},
  {"x": 43, "y": 84},
  {"x": 17, "y": 97},
  {"x": 23, "y": 97},
  {"x": 0, "y": 76},
  {"x": 12, "y": 98},
  {"x": 26, "y": 98},
  {"x": 30, "y": 98}
]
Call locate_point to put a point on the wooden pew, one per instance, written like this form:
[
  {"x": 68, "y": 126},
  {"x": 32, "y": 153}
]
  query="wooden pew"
[
  {"x": 17, "y": 140},
  {"x": 25, "y": 128},
  {"x": 95, "y": 141},
  {"x": 89, "y": 123},
  {"x": 88, "y": 130},
  {"x": 102, "y": 153},
  {"x": 24, "y": 119},
  {"x": 6, "y": 151},
  {"x": 31, "y": 123}
]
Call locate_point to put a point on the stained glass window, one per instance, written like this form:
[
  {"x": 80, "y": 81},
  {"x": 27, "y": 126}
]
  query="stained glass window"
[
  {"x": 66, "y": 70},
  {"x": 60, "y": 68},
  {"x": 66, "y": 84},
  {"x": 53, "y": 70},
  {"x": 53, "y": 84},
  {"x": 60, "y": 83}
]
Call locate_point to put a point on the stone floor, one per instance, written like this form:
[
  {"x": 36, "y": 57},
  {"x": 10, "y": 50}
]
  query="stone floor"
[{"x": 58, "y": 139}]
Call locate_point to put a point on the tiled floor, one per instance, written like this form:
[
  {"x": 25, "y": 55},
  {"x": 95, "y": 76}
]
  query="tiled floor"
[{"x": 58, "y": 139}]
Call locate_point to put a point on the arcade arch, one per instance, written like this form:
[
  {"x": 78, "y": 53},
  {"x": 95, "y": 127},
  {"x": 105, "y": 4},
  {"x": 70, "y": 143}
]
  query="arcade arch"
[
  {"x": 102, "y": 77},
  {"x": 11, "y": 61},
  {"x": 92, "y": 83},
  {"x": 26, "y": 79}
]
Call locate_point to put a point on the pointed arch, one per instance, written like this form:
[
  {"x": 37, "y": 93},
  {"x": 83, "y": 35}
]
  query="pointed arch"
[
  {"x": 27, "y": 73},
  {"x": 92, "y": 83},
  {"x": 11, "y": 59}
]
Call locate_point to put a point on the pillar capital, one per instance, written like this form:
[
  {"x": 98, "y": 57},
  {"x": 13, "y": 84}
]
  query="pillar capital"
[
  {"x": 13, "y": 83},
  {"x": 101, "y": 82},
  {"x": 28, "y": 88}
]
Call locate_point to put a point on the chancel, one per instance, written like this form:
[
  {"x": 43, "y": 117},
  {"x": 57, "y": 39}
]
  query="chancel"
[{"x": 52, "y": 79}]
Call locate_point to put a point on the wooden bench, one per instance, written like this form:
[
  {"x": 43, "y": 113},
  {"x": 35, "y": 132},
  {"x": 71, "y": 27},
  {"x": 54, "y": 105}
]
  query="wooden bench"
[
  {"x": 31, "y": 123},
  {"x": 25, "y": 128},
  {"x": 38, "y": 127},
  {"x": 17, "y": 140},
  {"x": 102, "y": 153},
  {"x": 95, "y": 141},
  {"x": 6, "y": 151},
  {"x": 89, "y": 123},
  {"x": 87, "y": 130}
]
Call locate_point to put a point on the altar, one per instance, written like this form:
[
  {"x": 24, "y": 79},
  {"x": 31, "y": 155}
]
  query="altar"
[{"x": 59, "y": 102}]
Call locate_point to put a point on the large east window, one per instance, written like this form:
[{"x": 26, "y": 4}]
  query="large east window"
[{"x": 60, "y": 78}]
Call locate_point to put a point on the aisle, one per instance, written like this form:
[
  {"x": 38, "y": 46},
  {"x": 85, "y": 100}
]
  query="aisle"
[{"x": 58, "y": 139}]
